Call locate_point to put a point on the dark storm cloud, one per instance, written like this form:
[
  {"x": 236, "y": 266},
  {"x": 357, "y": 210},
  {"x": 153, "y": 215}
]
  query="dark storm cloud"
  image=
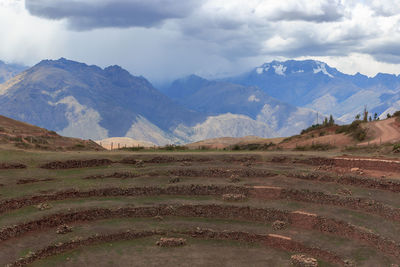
[
  {"x": 388, "y": 51},
  {"x": 91, "y": 14}
]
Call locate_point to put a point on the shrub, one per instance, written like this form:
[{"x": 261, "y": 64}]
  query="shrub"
[
  {"x": 396, "y": 114},
  {"x": 396, "y": 148},
  {"x": 252, "y": 147},
  {"x": 79, "y": 146},
  {"x": 173, "y": 147},
  {"x": 134, "y": 148},
  {"x": 360, "y": 134},
  {"x": 312, "y": 128},
  {"x": 354, "y": 129},
  {"x": 236, "y": 147}
]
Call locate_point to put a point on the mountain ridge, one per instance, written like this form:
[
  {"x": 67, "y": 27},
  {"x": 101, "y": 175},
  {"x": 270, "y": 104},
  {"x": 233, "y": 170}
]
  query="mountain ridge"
[
  {"x": 314, "y": 84},
  {"x": 274, "y": 99},
  {"x": 94, "y": 96}
]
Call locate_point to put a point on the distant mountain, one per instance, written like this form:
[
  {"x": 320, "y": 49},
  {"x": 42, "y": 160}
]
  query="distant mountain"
[
  {"x": 84, "y": 101},
  {"x": 315, "y": 85},
  {"x": 216, "y": 98},
  {"x": 7, "y": 71}
]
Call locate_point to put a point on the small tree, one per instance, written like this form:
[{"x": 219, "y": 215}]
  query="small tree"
[
  {"x": 388, "y": 116},
  {"x": 331, "y": 120},
  {"x": 365, "y": 117},
  {"x": 375, "y": 116},
  {"x": 325, "y": 121},
  {"x": 358, "y": 116},
  {"x": 370, "y": 118}
]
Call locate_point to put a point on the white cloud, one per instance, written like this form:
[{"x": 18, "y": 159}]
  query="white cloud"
[
  {"x": 24, "y": 38},
  {"x": 356, "y": 62}
]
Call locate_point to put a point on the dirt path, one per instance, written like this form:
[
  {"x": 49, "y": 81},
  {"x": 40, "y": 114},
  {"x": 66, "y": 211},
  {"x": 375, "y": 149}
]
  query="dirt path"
[{"x": 384, "y": 131}]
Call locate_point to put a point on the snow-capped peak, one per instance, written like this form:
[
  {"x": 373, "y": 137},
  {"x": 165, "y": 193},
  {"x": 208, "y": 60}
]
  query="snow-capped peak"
[
  {"x": 262, "y": 69},
  {"x": 280, "y": 69},
  {"x": 253, "y": 98},
  {"x": 321, "y": 67}
]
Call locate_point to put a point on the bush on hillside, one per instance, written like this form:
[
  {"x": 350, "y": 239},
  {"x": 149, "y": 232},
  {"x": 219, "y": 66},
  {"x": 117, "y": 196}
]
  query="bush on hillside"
[
  {"x": 326, "y": 123},
  {"x": 134, "y": 148},
  {"x": 312, "y": 128},
  {"x": 396, "y": 114},
  {"x": 251, "y": 147},
  {"x": 354, "y": 129},
  {"x": 173, "y": 148},
  {"x": 396, "y": 148}
]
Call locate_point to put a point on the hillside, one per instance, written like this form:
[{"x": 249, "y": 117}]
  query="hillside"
[
  {"x": 356, "y": 134},
  {"x": 384, "y": 131},
  {"x": 26, "y": 136},
  {"x": 230, "y": 142}
]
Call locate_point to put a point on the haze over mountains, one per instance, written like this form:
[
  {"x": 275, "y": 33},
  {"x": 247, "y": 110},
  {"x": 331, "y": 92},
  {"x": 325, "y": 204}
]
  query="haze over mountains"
[
  {"x": 223, "y": 99},
  {"x": 7, "y": 71},
  {"x": 275, "y": 99}
]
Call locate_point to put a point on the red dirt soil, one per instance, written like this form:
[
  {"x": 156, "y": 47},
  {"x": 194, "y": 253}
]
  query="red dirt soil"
[
  {"x": 337, "y": 140},
  {"x": 385, "y": 131},
  {"x": 27, "y": 136}
]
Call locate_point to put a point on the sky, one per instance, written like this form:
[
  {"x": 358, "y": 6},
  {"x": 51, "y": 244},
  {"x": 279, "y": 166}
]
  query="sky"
[{"x": 167, "y": 39}]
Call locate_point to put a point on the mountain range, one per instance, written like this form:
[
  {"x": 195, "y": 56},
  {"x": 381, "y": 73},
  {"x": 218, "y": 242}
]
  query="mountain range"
[
  {"x": 274, "y": 99},
  {"x": 315, "y": 85}
]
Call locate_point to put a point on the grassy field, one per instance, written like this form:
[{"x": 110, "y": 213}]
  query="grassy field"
[{"x": 177, "y": 193}]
